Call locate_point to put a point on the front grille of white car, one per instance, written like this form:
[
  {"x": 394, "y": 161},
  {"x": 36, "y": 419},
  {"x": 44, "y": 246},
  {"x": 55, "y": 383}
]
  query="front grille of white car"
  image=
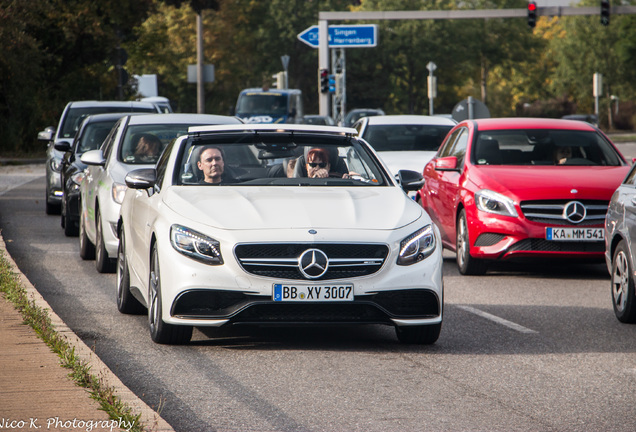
[{"x": 281, "y": 260}]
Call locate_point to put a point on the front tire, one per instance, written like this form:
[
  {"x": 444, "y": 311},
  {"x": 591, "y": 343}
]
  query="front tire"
[
  {"x": 51, "y": 208},
  {"x": 623, "y": 288},
  {"x": 465, "y": 262},
  {"x": 419, "y": 334},
  {"x": 126, "y": 302},
  {"x": 86, "y": 247},
  {"x": 161, "y": 332},
  {"x": 103, "y": 263},
  {"x": 70, "y": 226}
]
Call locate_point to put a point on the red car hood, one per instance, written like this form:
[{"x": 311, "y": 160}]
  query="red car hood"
[{"x": 550, "y": 182}]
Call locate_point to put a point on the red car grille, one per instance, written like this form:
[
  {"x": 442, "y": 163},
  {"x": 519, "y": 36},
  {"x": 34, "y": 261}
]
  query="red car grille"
[
  {"x": 541, "y": 245},
  {"x": 552, "y": 212}
]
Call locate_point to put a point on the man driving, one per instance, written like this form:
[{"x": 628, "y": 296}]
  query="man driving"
[{"x": 211, "y": 163}]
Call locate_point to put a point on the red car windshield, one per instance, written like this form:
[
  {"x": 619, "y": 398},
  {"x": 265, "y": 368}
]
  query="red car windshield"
[{"x": 543, "y": 147}]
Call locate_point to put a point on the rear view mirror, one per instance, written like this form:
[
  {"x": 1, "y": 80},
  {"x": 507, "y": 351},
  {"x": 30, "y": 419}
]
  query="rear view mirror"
[
  {"x": 448, "y": 163},
  {"x": 410, "y": 180},
  {"x": 93, "y": 157},
  {"x": 62, "y": 146},
  {"x": 46, "y": 134}
]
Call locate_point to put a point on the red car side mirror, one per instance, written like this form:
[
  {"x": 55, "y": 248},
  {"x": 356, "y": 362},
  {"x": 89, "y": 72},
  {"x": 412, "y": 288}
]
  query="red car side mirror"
[{"x": 448, "y": 163}]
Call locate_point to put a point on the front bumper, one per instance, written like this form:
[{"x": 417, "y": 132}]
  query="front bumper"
[
  {"x": 497, "y": 237},
  {"x": 411, "y": 306},
  {"x": 201, "y": 295}
]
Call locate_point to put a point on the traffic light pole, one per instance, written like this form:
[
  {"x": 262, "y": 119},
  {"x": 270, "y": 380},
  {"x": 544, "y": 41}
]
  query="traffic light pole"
[
  {"x": 339, "y": 97},
  {"x": 323, "y": 63},
  {"x": 200, "y": 79}
]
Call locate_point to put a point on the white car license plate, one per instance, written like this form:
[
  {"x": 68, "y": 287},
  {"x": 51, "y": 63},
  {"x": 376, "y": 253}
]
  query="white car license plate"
[
  {"x": 574, "y": 234},
  {"x": 312, "y": 293}
]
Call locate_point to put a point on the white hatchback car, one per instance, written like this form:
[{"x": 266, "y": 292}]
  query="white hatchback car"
[
  {"x": 405, "y": 142},
  {"x": 136, "y": 141},
  {"x": 222, "y": 232}
]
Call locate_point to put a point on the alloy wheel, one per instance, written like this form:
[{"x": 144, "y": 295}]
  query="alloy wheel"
[{"x": 620, "y": 281}]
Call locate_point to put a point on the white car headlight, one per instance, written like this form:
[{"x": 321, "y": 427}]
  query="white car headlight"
[
  {"x": 196, "y": 245},
  {"x": 493, "y": 202},
  {"x": 417, "y": 246},
  {"x": 119, "y": 190}
]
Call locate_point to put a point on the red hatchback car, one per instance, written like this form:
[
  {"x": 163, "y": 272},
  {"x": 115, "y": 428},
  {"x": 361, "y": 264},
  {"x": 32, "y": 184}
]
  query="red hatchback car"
[{"x": 510, "y": 188}]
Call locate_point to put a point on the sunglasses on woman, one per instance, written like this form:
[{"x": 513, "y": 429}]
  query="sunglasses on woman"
[{"x": 317, "y": 164}]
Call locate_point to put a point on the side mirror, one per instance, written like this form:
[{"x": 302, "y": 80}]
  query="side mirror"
[
  {"x": 62, "y": 146},
  {"x": 144, "y": 178},
  {"x": 46, "y": 134},
  {"x": 93, "y": 157},
  {"x": 448, "y": 163},
  {"x": 410, "y": 180}
]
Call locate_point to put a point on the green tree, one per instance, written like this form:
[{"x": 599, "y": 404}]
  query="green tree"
[
  {"x": 585, "y": 47},
  {"x": 244, "y": 39},
  {"x": 20, "y": 65},
  {"x": 465, "y": 52},
  {"x": 55, "y": 51}
]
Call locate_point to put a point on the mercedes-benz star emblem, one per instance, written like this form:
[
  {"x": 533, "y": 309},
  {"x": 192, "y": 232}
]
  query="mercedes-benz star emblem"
[
  {"x": 313, "y": 263},
  {"x": 575, "y": 212}
]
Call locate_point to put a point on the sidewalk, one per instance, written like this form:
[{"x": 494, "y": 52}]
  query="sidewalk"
[{"x": 35, "y": 390}]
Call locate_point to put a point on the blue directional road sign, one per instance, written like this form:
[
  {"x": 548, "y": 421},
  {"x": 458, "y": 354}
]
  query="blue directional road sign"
[{"x": 343, "y": 36}]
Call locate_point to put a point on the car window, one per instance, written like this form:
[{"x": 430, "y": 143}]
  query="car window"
[
  {"x": 92, "y": 136},
  {"x": 256, "y": 103},
  {"x": 405, "y": 137},
  {"x": 460, "y": 146},
  {"x": 143, "y": 144},
  {"x": 75, "y": 116},
  {"x": 162, "y": 163},
  {"x": 447, "y": 145},
  {"x": 544, "y": 147},
  {"x": 631, "y": 177},
  {"x": 278, "y": 161},
  {"x": 107, "y": 145}
]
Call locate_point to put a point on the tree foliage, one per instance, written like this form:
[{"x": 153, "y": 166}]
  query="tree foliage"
[{"x": 60, "y": 50}]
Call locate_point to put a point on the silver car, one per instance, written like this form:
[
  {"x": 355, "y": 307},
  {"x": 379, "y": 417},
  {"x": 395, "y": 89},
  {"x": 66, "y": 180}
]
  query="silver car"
[
  {"x": 70, "y": 120},
  {"x": 127, "y": 147},
  {"x": 620, "y": 240}
]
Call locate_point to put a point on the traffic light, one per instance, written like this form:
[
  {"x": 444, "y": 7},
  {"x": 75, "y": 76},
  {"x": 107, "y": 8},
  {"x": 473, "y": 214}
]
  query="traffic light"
[
  {"x": 332, "y": 83},
  {"x": 605, "y": 12},
  {"x": 532, "y": 14},
  {"x": 324, "y": 80}
]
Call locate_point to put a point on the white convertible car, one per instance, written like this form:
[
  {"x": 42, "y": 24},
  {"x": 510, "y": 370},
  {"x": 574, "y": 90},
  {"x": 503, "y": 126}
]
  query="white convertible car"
[{"x": 274, "y": 225}]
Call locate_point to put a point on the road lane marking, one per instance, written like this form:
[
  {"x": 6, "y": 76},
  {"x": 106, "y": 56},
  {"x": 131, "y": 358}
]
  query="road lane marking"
[
  {"x": 9, "y": 183},
  {"x": 497, "y": 319}
]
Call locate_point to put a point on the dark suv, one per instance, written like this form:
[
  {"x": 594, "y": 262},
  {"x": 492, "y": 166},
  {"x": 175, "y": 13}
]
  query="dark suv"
[{"x": 71, "y": 118}]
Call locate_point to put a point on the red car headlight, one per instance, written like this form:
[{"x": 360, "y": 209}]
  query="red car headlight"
[{"x": 494, "y": 202}]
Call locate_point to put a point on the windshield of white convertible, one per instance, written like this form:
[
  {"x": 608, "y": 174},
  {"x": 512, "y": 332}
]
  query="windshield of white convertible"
[{"x": 266, "y": 159}]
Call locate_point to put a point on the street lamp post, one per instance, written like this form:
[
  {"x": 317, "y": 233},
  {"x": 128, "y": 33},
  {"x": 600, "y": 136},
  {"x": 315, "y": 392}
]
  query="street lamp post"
[{"x": 432, "y": 85}]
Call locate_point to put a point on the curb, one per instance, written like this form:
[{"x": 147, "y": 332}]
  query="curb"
[{"x": 150, "y": 419}]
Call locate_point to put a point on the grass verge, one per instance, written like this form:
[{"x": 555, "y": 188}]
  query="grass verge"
[{"x": 80, "y": 371}]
